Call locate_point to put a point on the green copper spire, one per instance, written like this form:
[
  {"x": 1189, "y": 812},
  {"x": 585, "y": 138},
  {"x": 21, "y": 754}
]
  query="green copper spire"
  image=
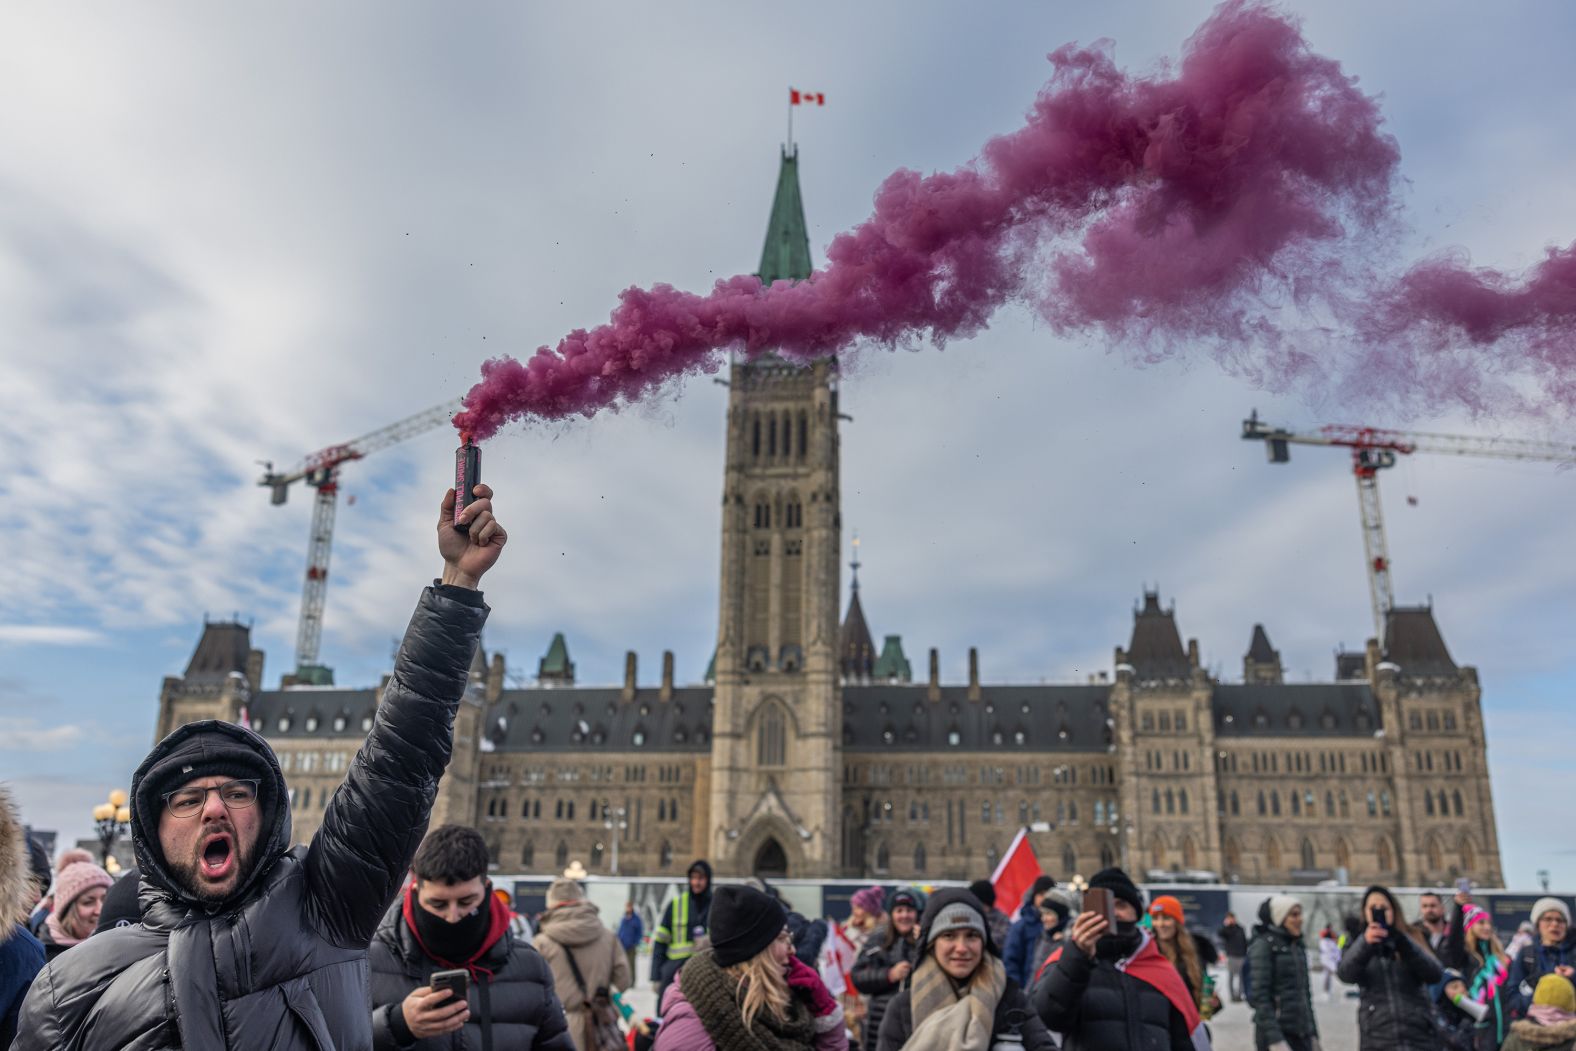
[
  {"x": 555, "y": 665},
  {"x": 787, "y": 251}
]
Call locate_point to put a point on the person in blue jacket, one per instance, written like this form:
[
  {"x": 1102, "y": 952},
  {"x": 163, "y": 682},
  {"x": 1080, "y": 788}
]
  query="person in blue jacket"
[
  {"x": 1027, "y": 929},
  {"x": 630, "y": 930},
  {"x": 21, "y": 954},
  {"x": 1553, "y": 951}
]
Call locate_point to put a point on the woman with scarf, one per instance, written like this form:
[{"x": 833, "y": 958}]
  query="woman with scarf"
[
  {"x": 748, "y": 992},
  {"x": 1550, "y": 1024},
  {"x": 79, "y": 895},
  {"x": 1180, "y": 946},
  {"x": 959, "y": 995},
  {"x": 1473, "y": 948},
  {"x": 1393, "y": 967}
]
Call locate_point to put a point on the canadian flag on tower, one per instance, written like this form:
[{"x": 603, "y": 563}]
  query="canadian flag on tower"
[
  {"x": 805, "y": 98},
  {"x": 1017, "y": 872}
]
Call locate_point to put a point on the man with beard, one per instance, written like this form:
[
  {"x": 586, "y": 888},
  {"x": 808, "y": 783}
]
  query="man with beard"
[
  {"x": 1105, "y": 990},
  {"x": 449, "y": 919},
  {"x": 1431, "y": 917},
  {"x": 245, "y": 942}
]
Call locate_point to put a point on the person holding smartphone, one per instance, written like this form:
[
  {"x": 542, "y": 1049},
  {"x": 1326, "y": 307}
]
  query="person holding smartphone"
[
  {"x": 1108, "y": 988},
  {"x": 1393, "y": 967},
  {"x": 448, "y": 973}
]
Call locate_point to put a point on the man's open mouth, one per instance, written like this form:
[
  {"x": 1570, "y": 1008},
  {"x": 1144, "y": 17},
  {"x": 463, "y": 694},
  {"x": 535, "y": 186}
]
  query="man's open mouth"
[{"x": 218, "y": 857}]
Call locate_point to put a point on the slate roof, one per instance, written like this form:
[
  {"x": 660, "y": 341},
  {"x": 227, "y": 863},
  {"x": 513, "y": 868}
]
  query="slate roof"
[
  {"x": 898, "y": 717},
  {"x": 856, "y": 651},
  {"x": 1259, "y": 650},
  {"x": 1155, "y": 651},
  {"x": 1322, "y": 709},
  {"x": 222, "y": 650},
  {"x": 597, "y": 719},
  {"x": 1412, "y": 640},
  {"x": 267, "y": 707}
]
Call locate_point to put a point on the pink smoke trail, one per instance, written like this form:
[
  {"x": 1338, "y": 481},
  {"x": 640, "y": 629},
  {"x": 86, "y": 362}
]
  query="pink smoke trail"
[{"x": 1191, "y": 208}]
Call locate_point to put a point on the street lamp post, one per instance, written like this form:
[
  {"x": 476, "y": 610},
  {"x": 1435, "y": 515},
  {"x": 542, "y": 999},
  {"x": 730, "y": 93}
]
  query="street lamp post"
[
  {"x": 615, "y": 822},
  {"x": 113, "y": 819}
]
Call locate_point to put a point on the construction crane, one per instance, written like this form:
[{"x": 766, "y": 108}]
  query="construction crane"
[
  {"x": 1375, "y": 449},
  {"x": 320, "y": 470}
]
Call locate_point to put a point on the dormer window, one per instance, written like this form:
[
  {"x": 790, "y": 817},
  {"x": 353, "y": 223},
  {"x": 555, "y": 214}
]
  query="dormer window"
[
  {"x": 311, "y": 723},
  {"x": 339, "y": 723},
  {"x": 366, "y": 723},
  {"x": 283, "y": 726}
]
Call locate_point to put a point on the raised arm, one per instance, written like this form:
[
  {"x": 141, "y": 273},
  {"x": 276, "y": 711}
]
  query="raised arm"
[{"x": 376, "y": 819}]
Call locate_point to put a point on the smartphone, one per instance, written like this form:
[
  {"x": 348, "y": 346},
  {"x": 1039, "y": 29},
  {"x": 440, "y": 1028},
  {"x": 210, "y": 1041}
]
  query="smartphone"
[
  {"x": 1382, "y": 916},
  {"x": 1102, "y": 902},
  {"x": 457, "y": 982},
  {"x": 1464, "y": 885}
]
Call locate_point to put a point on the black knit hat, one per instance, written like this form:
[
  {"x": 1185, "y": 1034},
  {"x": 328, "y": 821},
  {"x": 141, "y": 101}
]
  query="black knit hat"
[
  {"x": 912, "y": 897},
  {"x": 1121, "y": 887},
  {"x": 206, "y": 749},
  {"x": 743, "y": 923},
  {"x": 984, "y": 891},
  {"x": 121, "y": 908},
  {"x": 1042, "y": 883}
]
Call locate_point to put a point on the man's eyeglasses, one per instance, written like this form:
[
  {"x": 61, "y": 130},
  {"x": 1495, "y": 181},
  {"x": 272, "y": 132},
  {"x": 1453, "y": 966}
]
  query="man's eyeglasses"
[{"x": 235, "y": 795}]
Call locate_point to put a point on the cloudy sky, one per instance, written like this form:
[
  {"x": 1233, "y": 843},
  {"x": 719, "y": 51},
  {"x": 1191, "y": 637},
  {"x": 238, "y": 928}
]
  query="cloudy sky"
[{"x": 238, "y": 233}]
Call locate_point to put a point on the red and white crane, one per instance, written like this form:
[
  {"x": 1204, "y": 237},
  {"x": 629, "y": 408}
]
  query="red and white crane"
[
  {"x": 320, "y": 470},
  {"x": 1373, "y": 449}
]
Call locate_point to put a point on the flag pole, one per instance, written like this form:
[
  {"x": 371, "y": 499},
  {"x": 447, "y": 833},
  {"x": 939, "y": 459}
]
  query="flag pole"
[{"x": 790, "y": 121}]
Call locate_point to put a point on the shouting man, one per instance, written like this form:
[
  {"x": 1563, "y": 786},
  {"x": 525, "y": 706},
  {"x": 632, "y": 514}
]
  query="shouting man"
[{"x": 245, "y": 942}]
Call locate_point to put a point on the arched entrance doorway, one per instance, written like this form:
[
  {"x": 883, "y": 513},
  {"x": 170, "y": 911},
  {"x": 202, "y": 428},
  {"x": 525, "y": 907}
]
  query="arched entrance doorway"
[{"x": 770, "y": 860}]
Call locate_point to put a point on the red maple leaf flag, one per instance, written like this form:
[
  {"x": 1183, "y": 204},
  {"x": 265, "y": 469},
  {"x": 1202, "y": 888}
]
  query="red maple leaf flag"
[
  {"x": 805, "y": 98},
  {"x": 1017, "y": 872}
]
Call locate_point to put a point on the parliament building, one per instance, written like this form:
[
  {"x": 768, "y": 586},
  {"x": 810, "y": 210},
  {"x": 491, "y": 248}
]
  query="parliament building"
[{"x": 810, "y": 751}]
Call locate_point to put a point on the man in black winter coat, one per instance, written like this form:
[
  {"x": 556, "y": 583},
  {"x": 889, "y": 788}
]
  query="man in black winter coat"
[
  {"x": 1106, "y": 990},
  {"x": 449, "y": 919},
  {"x": 246, "y": 943}
]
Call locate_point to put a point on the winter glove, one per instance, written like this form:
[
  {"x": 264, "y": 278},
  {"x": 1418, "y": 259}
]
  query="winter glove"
[{"x": 803, "y": 980}]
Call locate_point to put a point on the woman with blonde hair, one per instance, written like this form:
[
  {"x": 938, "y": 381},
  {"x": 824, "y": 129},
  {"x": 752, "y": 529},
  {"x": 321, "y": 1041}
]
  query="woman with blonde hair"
[
  {"x": 1177, "y": 944},
  {"x": 1473, "y": 948},
  {"x": 748, "y": 991}
]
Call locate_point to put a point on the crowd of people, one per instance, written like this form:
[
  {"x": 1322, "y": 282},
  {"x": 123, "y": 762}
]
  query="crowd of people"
[{"x": 382, "y": 934}]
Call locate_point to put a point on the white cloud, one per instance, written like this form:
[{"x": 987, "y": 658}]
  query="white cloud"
[
  {"x": 49, "y": 635},
  {"x": 20, "y": 734}
]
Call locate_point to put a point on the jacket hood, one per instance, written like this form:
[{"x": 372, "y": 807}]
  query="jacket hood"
[
  {"x": 704, "y": 866},
  {"x": 576, "y": 923},
  {"x": 1534, "y": 1035},
  {"x": 17, "y": 889},
  {"x": 198, "y": 740}
]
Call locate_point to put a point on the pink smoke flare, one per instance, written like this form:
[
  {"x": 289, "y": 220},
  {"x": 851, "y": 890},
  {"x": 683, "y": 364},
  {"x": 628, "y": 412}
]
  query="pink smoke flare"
[{"x": 1192, "y": 209}]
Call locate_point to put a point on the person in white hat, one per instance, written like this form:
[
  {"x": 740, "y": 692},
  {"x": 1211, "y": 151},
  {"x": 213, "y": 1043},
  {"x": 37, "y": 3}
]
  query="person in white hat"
[{"x": 1551, "y": 951}]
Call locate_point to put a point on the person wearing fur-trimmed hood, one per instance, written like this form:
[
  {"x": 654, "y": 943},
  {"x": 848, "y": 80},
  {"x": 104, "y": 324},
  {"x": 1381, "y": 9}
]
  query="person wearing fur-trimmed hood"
[{"x": 21, "y": 954}]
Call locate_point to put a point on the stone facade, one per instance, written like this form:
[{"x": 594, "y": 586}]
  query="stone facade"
[{"x": 803, "y": 754}]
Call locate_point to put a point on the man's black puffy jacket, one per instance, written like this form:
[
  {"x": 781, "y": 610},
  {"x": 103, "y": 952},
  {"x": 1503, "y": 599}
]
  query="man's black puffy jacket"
[
  {"x": 1099, "y": 1008},
  {"x": 1395, "y": 1013},
  {"x": 283, "y": 963},
  {"x": 870, "y": 977},
  {"x": 519, "y": 1001}
]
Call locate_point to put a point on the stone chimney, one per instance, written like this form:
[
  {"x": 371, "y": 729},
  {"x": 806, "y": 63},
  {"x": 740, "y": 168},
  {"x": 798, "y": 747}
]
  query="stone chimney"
[
  {"x": 495, "y": 679},
  {"x": 934, "y": 692},
  {"x": 629, "y": 675},
  {"x": 254, "y": 670},
  {"x": 667, "y": 676},
  {"x": 974, "y": 674},
  {"x": 1192, "y": 653}
]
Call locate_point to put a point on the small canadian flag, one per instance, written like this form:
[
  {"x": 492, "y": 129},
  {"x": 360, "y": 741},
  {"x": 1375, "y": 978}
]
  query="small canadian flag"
[{"x": 805, "y": 98}]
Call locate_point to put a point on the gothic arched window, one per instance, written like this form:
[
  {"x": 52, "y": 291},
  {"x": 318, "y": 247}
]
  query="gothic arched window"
[
  {"x": 1069, "y": 860},
  {"x": 771, "y": 737},
  {"x": 883, "y": 858},
  {"x": 919, "y": 858},
  {"x": 561, "y": 855},
  {"x": 528, "y": 854}
]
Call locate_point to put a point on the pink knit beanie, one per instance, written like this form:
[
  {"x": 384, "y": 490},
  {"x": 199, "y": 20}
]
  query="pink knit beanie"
[
  {"x": 74, "y": 880},
  {"x": 870, "y": 899}
]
